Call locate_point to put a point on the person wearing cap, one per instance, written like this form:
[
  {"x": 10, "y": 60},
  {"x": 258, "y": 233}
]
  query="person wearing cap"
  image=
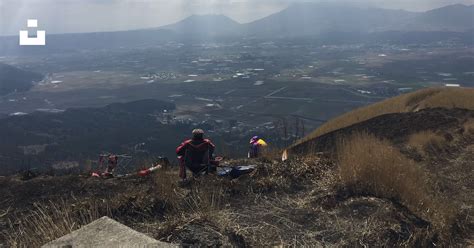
[
  {"x": 256, "y": 146},
  {"x": 196, "y": 154}
]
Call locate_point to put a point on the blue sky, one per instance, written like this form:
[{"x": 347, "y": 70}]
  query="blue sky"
[{"x": 66, "y": 16}]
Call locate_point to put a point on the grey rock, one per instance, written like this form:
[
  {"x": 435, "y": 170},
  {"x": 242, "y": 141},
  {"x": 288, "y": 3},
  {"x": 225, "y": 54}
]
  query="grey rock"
[{"x": 106, "y": 232}]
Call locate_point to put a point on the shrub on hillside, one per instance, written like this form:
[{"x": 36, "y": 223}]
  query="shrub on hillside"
[
  {"x": 426, "y": 140},
  {"x": 372, "y": 166},
  {"x": 469, "y": 126}
]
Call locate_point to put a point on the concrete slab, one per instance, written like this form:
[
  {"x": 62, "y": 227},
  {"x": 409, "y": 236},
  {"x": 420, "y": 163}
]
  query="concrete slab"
[{"x": 106, "y": 232}]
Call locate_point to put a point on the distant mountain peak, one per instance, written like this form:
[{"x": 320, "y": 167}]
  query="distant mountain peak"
[
  {"x": 208, "y": 18},
  {"x": 316, "y": 19},
  {"x": 332, "y": 5},
  {"x": 454, "y": 7},
  {"x": 456, "y": 17},
  {"x": 213, "y": 24}
]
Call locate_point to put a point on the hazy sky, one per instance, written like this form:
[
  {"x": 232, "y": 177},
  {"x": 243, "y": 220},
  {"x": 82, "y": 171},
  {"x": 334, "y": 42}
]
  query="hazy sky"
[{"x": 64, "y": 16}]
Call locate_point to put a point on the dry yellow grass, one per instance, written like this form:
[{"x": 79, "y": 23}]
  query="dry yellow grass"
[
  {"x": 205, "y": 196},
  {"x": 49, "y": 221},
  {"x": 422, "y": 99},
  {"x": 271, "y": 153},
  {"x": 469, "y": 126},
  {"x": 426, "y": 139},
  {"x": 245, "y": 209},
  {"x": 372, "y": 166}
]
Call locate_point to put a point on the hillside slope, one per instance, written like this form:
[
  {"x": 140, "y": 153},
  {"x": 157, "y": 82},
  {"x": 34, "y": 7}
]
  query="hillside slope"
[
  {"x": 416, "y": 148},
  {"x": 396, "y": 127},
  {"x": 400, "y": 175},
  {"x": 427, "y": 98},
  {"x": 305, "y": 201},
  {"x": 457, "y": 17}
]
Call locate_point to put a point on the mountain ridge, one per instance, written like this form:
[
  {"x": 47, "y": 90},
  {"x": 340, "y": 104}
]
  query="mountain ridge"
[
  {"x": 414, "y": 102},
  {"x": 297, "y": 21},
  {"x": 458, "y": 7},
  {"x": 326, "y": 17},
  {"x": 204, "y": 25}
]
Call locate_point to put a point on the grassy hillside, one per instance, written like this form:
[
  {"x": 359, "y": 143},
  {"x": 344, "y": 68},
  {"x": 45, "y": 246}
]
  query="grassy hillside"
[
  {"x": 415, "y": 149},
  {"x": 427, "y": 98},
  {"x": 397, "y": 180},
  {"x": 371, "y": 194}
]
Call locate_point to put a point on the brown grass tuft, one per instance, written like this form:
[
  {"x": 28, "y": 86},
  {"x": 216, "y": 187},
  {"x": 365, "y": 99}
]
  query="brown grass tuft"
[
  {"x": 469, "y": 126},
  {"x": 48, "y": 221},
  {"x": 205, "y": 194},
  {"x": 372, "y": 166},
  {"x": 271, "y": 154},
  {"x": 197, "y": 202},
  {"x": 425, "y": 140},
  {"x": 204, "y": 199}
]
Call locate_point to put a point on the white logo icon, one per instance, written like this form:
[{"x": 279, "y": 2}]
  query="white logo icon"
[{"x": 39, "y": 40}]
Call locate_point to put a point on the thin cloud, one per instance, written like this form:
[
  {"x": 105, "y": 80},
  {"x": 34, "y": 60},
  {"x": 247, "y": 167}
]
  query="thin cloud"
[{"x": 62, "y": 16}]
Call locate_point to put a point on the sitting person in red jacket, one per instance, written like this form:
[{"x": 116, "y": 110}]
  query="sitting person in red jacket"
[{"x": 196, "y": 154}]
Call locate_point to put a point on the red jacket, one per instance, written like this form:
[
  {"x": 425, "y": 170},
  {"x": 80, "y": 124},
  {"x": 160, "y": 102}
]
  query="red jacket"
[{"x": 195, "y": 150}]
